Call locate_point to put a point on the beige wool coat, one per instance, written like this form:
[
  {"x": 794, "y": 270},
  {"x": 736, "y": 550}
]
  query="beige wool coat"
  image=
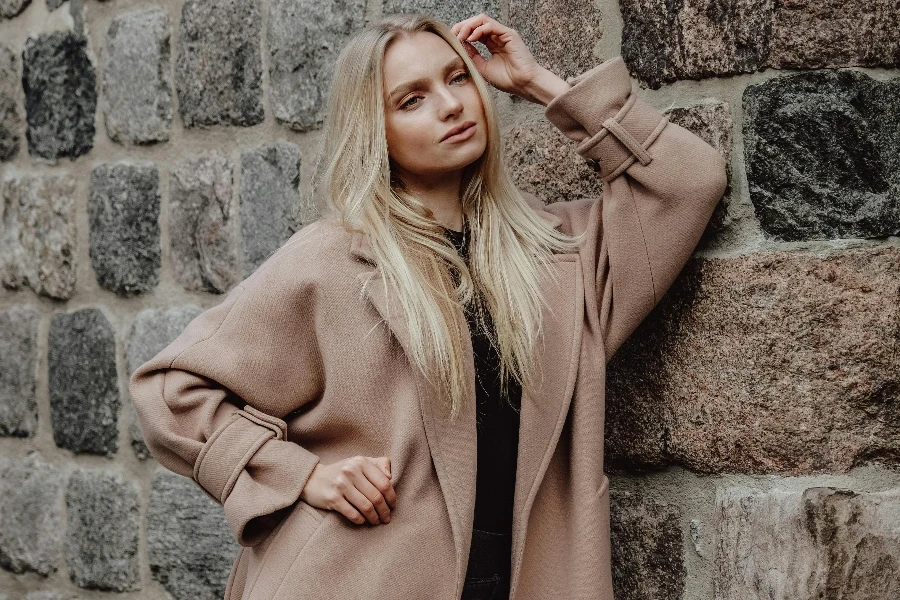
[{"x": 302, "y": 363}]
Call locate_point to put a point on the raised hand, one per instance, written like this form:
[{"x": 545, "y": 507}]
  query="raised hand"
[{"x": 511, "y": 67}]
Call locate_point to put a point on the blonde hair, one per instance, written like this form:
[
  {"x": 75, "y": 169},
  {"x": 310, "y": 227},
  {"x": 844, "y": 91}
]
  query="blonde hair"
[{"x": 509, "y": 243}]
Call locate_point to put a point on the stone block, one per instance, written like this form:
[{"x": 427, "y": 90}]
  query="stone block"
[
  {"x": 664, "y": 41},
  {"x": 123, "y": 211},
  {"x": 822, "y": 151},
  {"x": 137, "y": 81},
  {"x": 304, "y": 38},
  {"x": 18, "y": 377},
  {"x": 270, "y": 200},
  {"x": 190, "y": 545},
  {"x": 84, "y": 387},
  {"x": 60, "y": 95},
  {"x": 10, "y": 114},
  {"x": 818, "y": 543},
  {"x": 647, "y": 548},
  {"x": 31, "y": 515},
  {"x": 103, "y": 513},
  {"x": 39, "y": 242},
  {"x": 447, "y": 11},
  {"x": 560, "y": 34},
  {"x": 543, "y": 161},
  {"x": 202, "y": 223},
  {"x": 771, "y": 363},
  {"x": 218, "y": 69},
  {"x": 153, "y": 330}
]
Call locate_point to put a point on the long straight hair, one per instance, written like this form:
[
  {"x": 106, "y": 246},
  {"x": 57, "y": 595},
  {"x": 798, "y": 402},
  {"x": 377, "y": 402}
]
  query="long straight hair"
[{"x": 509, "y": 244}]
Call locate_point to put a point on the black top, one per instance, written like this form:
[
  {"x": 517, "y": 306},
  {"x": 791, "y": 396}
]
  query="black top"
[{"x": 497, "y": 422}]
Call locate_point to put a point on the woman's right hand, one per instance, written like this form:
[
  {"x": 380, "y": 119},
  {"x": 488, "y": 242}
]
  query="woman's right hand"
[{"x": 359, "y": 488}]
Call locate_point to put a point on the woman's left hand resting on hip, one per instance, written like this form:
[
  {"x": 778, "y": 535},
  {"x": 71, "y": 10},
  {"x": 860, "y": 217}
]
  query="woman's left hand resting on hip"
[{"x": 511, "y": 67}]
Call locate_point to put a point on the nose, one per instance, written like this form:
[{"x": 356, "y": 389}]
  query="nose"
[{"x": 450, "y": 104}]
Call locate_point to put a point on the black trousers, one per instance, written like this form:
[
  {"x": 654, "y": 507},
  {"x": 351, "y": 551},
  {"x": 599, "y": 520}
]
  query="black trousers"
[{"x": 488, "y": 571}]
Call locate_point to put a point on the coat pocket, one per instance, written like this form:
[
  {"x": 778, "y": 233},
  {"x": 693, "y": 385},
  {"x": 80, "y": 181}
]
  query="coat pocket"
[{"x": 268, "y": 561}]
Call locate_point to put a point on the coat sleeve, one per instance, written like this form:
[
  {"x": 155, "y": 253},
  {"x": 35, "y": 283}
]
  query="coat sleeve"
[
  {"x": 662, "y": 184},
  {"x": 211, "y": 404}
]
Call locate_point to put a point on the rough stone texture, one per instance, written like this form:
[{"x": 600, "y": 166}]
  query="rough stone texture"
[
  {"x": 190, "y": 546},
  {"x": 819, "y": 543},
  {"x": 38, "y": 246},
  {"x": 60, "y": 95},
  {"x": 304, "y": 38},
  {"x": 202, "y": 225},
  {"x": 713, "y": 123},
  {"x": 50, "y": 595},
  {"x": 31, "y": 515},
  {"x": 153, "y": 330},
  {"x": 103, "y": 513},
  {"x": 123, "y": 210},
  {"x": 543, "y": 161},
  {"x": 18, "y": 377},
  {"x": 10, "y": 116},
  {"x": 137, "y": 81},
  {"x": 666, "y": 41},
  {"x": 270, "y": 199},
  {"x": 11, "y": 8},
  {"x": 646, "y": 548},
  {"x": 779, "y": 362},
  {"x": 448, "y": 11},
  {"x": 84, "y": 388},
  {"x": 218, "y": 70},
  {"x": 823, "y": 155},
  {"x": 548, "y": 28}
]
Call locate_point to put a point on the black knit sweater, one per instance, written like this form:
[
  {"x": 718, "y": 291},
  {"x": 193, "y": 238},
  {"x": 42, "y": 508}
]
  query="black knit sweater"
[{"x": 497, "y": 422}]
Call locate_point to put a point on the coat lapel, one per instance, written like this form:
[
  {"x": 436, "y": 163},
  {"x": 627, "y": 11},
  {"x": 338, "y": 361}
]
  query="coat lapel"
[{"x": 544, "y": 407}]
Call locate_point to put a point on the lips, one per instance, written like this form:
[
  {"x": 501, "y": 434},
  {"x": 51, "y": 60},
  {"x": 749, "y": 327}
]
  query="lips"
[{"x": 458, "y": 129}]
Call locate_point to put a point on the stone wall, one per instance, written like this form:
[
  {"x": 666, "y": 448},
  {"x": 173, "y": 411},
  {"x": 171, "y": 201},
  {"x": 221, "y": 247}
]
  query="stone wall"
[{"x": 152, "y": 155}]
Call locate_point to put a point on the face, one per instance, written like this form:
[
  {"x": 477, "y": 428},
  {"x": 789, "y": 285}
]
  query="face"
[{"x": 428, "y": 92}]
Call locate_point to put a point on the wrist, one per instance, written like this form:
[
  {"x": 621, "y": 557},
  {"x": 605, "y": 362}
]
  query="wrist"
[{"x": 545, "y": 86}]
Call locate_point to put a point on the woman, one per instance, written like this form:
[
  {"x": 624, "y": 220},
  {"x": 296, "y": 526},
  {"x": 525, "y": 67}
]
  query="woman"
[{"x": 430, "y": 354}]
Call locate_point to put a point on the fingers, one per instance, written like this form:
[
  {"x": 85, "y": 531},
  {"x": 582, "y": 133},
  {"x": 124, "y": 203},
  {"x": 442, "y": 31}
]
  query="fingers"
[
  {"x": 473, "y": 29},
  {"x": 366, "y": 492}
]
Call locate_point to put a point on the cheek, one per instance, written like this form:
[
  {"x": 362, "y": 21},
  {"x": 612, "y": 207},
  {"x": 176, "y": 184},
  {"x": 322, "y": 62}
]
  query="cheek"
[{"x": 408, "y": 138}]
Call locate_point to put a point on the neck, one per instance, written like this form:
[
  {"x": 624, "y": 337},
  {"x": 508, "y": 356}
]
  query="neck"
[{"x": 441, "y": 196}]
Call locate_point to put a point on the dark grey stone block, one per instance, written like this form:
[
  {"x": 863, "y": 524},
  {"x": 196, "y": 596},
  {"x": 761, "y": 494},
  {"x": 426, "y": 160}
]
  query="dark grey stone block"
[
  {"x": 84, "y": 391},
  {"x": 218, "y": 70},
  {"x": 31, "y": 515},
  {"x": 103, "y": 513},
  {"x": 123, "y": 210},
  {"x": 18, "y": 380},
  {"x": 304, "y": 39},
  {"x": 189, "y": 543},
  {"x": 270, "y": 200},
  {"x": 202, "y": 226},
  {"x": 137, "y": 80},
  {"x": 39, "y": 240},
  {"x": 822, "y": 151},
  {"x": 647, "y": 550},
  {"x": 60, "y": 95}
]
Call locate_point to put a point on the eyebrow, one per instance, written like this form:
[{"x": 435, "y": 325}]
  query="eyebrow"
[{"x": 411, "y": 85}]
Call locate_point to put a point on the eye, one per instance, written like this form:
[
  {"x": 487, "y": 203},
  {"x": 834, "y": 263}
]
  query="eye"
[
  {"x": 464, "y": 74},
  {"x": 407, "y": 103}
]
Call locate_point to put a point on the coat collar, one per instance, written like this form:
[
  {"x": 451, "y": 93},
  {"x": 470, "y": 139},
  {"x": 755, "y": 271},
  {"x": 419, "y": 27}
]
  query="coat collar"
[{"x": 544, "y": 406}]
